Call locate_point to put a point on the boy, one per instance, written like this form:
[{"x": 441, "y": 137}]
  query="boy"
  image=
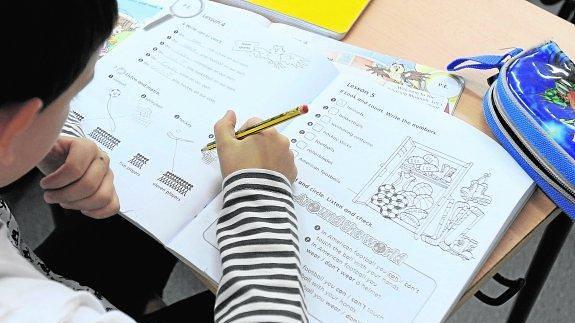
[{"x": 49, "y": 52}]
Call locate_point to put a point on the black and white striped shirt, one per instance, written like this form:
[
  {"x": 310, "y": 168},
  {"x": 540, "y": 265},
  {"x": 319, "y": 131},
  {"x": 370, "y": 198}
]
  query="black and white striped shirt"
[{"x": 258, "y": 241}]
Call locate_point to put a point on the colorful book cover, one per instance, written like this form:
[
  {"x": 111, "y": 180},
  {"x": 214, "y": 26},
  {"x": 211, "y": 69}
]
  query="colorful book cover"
[{"x": 132, "y": 15}]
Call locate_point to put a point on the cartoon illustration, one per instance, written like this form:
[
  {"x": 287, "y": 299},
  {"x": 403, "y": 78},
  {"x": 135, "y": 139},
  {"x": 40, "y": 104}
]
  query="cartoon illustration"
[
  {"x": 415, "y": 188},
  {"x": 448, "y": 230},
  {"x": 125, "y": 27},
  {"x": 563, "y": 93},
  {"x": 476, "y": 191},
  {"x": 275, "y": 56},
  {"x": 397, "y": 73}
]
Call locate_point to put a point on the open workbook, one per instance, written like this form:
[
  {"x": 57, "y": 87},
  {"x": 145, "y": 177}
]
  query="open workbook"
[{"x": 398, "y": 203}]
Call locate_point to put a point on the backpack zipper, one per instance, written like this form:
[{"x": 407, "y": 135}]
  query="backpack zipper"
[
  {"x": 567, "y": 162},
  {"x": 526, "y": 152}
]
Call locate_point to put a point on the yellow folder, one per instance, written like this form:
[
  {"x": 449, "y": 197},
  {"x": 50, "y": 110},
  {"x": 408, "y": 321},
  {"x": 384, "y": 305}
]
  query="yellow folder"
[{"x": 332, "y": 18}]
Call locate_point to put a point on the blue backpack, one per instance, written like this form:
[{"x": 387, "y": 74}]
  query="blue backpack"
[{"x": 530, "y": 107}]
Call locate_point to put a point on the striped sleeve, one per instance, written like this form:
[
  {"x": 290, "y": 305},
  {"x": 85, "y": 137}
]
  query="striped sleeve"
[
  {"x": 72, "y": 126},
  {"x": 258, "y": 240}
]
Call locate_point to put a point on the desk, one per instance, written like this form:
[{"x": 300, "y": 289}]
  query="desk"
[{"x": 434, "y": 32}]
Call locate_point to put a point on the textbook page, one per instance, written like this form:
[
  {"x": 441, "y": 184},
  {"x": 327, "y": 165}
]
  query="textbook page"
[
  {"x": 405, "y": 77},
  {"x": 398, "y": 206},
  {"x": 136, "y": 14},
  {"x": 154, "y": 100}
]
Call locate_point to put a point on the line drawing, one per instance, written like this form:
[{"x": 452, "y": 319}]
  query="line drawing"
[
  {"x": 139, "y": 161},
  {"x": 209, "y": 157},
  {"x": 475, "y": 192},
  {"x": 209, "y": 237},
  {"x": 174, "y": 135},
  {"x": 104, "y": 138},
  {"x": 76, "y": 116},
  {"x": 114, "y": 93},
  {"x": 176, "y": 183},
  {"x": 449, "y": 228},
  {"x": 143, "y": 113},
  {"x": 414, "y": 189},
  {"x": 275, "y": 56}
]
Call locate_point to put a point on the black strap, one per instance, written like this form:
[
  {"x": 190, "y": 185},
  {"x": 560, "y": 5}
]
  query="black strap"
[{"x": 513, "y": 287}]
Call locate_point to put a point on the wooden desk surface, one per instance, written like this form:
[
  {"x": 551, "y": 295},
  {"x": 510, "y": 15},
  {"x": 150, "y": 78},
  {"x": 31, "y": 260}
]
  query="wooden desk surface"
[{"x": 434, "y": 32}]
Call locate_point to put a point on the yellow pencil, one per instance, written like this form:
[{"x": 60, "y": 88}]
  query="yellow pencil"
[{"x": 302, "y": 109}]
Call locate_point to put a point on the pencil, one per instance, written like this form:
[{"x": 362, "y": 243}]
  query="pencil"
[{"x": 302, "y": 109}]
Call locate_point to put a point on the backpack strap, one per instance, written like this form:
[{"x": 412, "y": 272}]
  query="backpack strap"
[{"x": 482, "y": 62}]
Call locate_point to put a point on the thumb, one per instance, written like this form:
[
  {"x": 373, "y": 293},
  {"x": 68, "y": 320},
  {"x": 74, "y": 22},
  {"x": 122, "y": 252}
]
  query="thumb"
[
  {"x": 56, "y": 157},
  {"x": 224, "y": 130}
]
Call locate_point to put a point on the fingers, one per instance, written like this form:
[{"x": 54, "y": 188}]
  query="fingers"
[
  {"x": 109, "y": 210},
  {"x": 284, "y": 142},
  {"x": 100, "y": 198},
  {"x": 293, "y": 169},
  {"x": 250, "y": 123},
  {"x": 79, "y": 159},
  {"x": 86, "y": 186},
  {"x": 224, "y": 129},
  {"x": 254, "y": 121}
]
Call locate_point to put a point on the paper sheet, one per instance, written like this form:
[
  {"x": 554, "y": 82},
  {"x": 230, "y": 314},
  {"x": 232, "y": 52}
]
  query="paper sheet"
[
  {"x": 398, "y": 206},
  {"x": 155, "y": 99}
]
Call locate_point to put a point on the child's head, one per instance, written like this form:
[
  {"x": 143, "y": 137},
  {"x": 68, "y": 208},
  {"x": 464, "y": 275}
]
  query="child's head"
[{"x": 48, "y": 53}]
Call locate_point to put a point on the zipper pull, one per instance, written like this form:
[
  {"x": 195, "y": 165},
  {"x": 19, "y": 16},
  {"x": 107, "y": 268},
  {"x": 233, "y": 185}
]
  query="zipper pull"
[{"x": 482, "y": 62}]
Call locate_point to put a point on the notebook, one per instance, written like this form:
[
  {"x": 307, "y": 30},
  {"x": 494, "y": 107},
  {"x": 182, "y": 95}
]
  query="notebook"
[
  {"x": 396, "y": 211},
  {"x": 331, "y": 18},
  {"x": 417, "y": 79}
]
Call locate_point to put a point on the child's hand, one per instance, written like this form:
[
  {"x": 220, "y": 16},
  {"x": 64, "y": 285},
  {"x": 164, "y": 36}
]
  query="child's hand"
[
  {"x": 79, "y": 178},
  {"x": 267, "y": 150}
]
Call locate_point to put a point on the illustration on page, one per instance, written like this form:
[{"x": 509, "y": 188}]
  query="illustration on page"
[
  {"x": 398, "y": 73},
  {"x": 415, "y": 189},
  {"x": 276, "y": 55}
]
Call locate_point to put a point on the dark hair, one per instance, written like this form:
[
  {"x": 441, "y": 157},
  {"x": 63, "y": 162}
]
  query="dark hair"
[{"x": 46, "y": 45}]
